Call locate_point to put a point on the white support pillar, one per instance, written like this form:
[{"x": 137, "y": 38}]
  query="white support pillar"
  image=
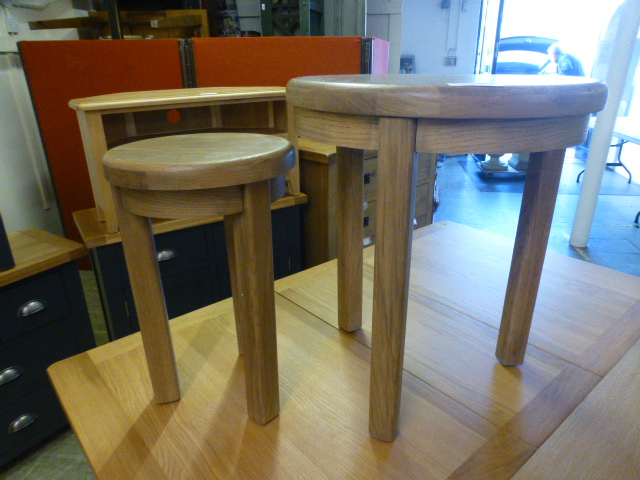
[{"x": 598, "y": 151}]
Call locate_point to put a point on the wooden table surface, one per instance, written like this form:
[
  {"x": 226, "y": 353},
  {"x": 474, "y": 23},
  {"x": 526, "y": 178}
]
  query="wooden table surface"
[
  {"x": 463, "y": 414},
  {"x": 35, "y": 251}
]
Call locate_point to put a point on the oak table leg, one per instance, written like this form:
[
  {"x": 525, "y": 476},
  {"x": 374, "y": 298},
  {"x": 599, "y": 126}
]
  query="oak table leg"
[
  {"x": 350, "y": 165},
  {"x": 254, "y": 297},
  {"x": 142, "y": 264},
  {"x": 397, "y": 169},
  {"x": 536, "y": 214}
]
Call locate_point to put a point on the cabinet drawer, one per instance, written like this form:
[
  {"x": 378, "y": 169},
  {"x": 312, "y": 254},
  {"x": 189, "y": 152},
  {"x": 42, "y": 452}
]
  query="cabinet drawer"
[
  {"x": 370, "y": 179},
  {"x": 426, "y": 165},
  {"x": 177, "y": 252},
  {"x": 422, "y": 209},
  {"x": 423, "y": 203},
  {"x": 27, "y": 306},
  {"x": 28, "y": 420},
  {"x": 25, "y": 364},
  {"x": 370, "y": 216}
]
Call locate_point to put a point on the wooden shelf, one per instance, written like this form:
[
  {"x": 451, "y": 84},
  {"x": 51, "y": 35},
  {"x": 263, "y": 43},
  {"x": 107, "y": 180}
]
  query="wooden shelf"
[{"x": 36, "y": 251}]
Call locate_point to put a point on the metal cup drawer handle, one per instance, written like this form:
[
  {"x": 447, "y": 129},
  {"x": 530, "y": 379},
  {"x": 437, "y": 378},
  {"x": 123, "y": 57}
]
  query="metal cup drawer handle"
[
  {"x": 166, "y": 254},
  {"x": 8, "y": 374},
  {"x": 31, "y": 307},
  {"x": 23, "y": 421}
]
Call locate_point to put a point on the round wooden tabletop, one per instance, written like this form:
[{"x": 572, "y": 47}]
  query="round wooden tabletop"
[
  {"x": 198, "y": 161},
  {"x": 449, "y": 96}
]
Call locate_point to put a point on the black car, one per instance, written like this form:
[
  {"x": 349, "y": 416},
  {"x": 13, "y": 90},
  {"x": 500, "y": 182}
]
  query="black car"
[{"x": 523, "y": 55}]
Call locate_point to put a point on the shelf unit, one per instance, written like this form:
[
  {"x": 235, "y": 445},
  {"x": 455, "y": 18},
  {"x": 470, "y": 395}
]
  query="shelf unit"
[{"x": 289, "y": 18}]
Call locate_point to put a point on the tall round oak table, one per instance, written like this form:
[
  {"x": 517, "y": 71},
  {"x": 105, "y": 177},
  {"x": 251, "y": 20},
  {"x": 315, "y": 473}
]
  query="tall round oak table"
[{"x": 399, "y": 115}]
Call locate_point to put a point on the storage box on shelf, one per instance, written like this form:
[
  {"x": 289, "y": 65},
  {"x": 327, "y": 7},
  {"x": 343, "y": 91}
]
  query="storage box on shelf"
[{"x": 43, "y": 319}]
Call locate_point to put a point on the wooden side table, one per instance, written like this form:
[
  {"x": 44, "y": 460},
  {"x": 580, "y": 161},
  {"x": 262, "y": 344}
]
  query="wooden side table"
[
  {"x": 400, "y": 115},
  {"x": 43, "y": 319},
  {"x": 110, "y": 120}
]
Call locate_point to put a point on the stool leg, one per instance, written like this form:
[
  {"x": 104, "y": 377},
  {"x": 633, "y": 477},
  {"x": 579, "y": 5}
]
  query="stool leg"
[
  {"x": 536, "y": 214},
  {"x": 397, "y": 167},
  {"x": 231, "y": 254},
  {"x": 350, "y": 166},
  {"x": 254, "y": 300},
  {"x": 144, "y": 273}
]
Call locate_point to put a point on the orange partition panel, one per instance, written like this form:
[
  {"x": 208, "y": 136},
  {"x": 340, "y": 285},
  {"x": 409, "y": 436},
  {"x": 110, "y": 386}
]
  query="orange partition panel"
[
  {"x": 58, "y": 71},
  {"x": 272, "y": 61}
]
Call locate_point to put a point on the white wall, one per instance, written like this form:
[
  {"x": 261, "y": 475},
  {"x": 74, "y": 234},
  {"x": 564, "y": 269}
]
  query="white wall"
[
  {"x": 26, "y": 195},
  {"x": 56, "y": 9},
  {"x": 26, "y": 192},
  {"x": 430, "y": 33}
]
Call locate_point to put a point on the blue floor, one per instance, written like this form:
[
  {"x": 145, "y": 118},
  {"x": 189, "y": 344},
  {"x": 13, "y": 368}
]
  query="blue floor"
[{"x": 470, "y": 197}]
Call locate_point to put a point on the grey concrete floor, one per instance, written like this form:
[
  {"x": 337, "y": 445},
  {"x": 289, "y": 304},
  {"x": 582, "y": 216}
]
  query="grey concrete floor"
[{"x": 469, "y": 197}]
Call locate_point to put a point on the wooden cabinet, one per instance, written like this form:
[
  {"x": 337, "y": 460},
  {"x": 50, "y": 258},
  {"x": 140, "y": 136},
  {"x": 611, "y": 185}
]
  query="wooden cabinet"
[
  {"x": 318, "y": 181},
  {"x": 43, "y": 319}
]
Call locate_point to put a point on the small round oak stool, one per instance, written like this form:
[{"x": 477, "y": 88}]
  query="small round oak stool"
[
  {"x": 399, "y": 115},
  {"x": 234, "y": 175}
]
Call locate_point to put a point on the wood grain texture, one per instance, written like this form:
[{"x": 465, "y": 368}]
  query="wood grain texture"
[
  {"x": 536, "y": 214},
  {"x": 601, "y": 438},
  {"x": 95, "y": 147},
  {"x": 498, "y": 459},
  {"x": 148, "y": 297},
  {"x": 320, "y": 434},
  {"x": 178, "y": 204},
  {"x": 603, "y": 355},
  {"x": 94, "y": 233},
  {"x": 319, "y": 223},
  {"x": 176, "y": 98},
  {"x": 542, "y": 415},
  {"x": 453, "y": 318},
  {"x": 463, "y": 414},
  {"x": 500, "y": 136},
  {"x": 35, "y": 251},
  {"x": 198, "y": 161},
  {"x": 250, "y": 234},
  {"x": 238, "y": 309},
  {"x": 571, "y": 326},
  {"x": 351, "y": 131},
  {"x": 350, "y": 233},
  {"x": 397, "y": 168},
  {"x": 449, "y": 96}
]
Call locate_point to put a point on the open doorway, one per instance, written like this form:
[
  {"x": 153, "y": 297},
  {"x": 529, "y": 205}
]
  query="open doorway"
[{"x": 576, "y": 24}]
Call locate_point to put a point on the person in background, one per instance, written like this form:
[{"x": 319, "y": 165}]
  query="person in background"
[{"x": 566, "y": 64}]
